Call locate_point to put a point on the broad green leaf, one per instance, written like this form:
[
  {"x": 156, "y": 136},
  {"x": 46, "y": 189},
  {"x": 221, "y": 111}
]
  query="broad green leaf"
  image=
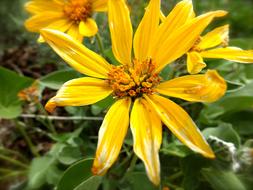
[
  {"x": 79, "y": 176},
  {"x": 222, "y": 180},
  {"x": 231, "y": 103},
  {"x": 68, "y": 155},
  {"x": 56, "y": 79},
  {"x": 224, "y": 132},
  {"x": 38, "y": 171},
  {"x": 10, "y": 85},
  {"x": 139, "y": 180},
  {"x": 242, "y": 122}
]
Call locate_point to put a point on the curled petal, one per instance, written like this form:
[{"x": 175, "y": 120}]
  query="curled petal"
[
  {"x": 75, "y": 54},
  {"x": 79, "y": 92},
  {"x": 218, "y": 36},
  {"x": 147, "y": 134},
  {"x": 180, "y": 124},
  {"x": 230, "y": 53},
  {"x": 111, "y": 136},
  {"x": 88, "y": 28},
  {"x": 195, "y": 63},
  {"x": 207, "y": 87}
]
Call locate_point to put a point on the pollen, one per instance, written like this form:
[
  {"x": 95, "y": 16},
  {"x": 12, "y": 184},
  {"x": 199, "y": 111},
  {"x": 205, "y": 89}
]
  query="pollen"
[
  {"x": 134, "y": 81},
  {"x": 195, "y": 46},
  {"x": 78, "y": 10}
]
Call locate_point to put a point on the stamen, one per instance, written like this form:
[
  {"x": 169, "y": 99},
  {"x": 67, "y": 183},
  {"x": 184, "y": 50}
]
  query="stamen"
[
  {"x": 134, "y": 81},
  {"x": 78, "y": 10}
]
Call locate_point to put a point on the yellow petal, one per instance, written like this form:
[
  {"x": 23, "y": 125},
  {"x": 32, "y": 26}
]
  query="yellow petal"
[
  {"x": 180, "y": 124},
  {"x": 62, "y": 25},
  {"x": 88, "y": 28},
  {"x": 111, "y": 136},
  {"x": 73, "y": 31},
  {"x": 147, "y": 134},
  {"x": 121, "y": 30},
  {"x": 181, "y": 40},
  {"x": 180, "y": 14},
  {"x": 76, "y": 55},
  {"x": 39, "y": 6},
  {"x": 230, "y": 53},
  {"x": 214, "y": 38},
  {"x": 42, "y": 20},
  {"x": 145, "y": 32},
  {"x": 207, "y": 87},
  {"x": 162, "y": 16},
  {"x": 100, "y": 5},
  {"x": 79, "y": 92},
  {"x": 195, "y": 62}
]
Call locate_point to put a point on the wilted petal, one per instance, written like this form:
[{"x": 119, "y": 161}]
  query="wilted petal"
[
  {"x": 180, "y": 124},
  {"x": 147, "y": 134},
  {"x": 111, "y": 136}
]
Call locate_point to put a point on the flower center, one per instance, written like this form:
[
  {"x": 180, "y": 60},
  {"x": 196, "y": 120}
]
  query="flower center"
[
  {"x": 195, "y": 47},
  {"x": 78, "y": 10},
  {"x": 133, "y": 81}
]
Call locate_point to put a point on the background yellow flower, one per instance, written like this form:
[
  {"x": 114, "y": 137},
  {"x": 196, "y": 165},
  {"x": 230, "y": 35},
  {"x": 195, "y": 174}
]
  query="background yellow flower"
[{"x": 71, "y": 16}]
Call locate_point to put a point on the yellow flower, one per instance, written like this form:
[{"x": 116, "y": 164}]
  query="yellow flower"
[
  {"x": 71, "y": 16},
  {"x": 136, "y": 83},
  {"x": 215, "y": 45}
]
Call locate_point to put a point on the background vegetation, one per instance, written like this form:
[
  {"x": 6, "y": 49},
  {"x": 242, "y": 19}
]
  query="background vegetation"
[{"x": 40, "y": 152}]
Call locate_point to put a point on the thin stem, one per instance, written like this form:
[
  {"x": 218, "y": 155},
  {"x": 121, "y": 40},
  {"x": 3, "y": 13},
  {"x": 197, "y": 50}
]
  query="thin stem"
[
  {"x": 50, "y": 124},
  {"x": 8, "y": 151},
  {"x": 133, "y": 162},
  {"x": 60, "y": 118},
  {"x": 100, "y": 44},
  {"x": 175, "y": 176},
  {"x": 20, "y": 126},
  {"x": 13, "y": 161},
  {"x": 13, "y": 174}
]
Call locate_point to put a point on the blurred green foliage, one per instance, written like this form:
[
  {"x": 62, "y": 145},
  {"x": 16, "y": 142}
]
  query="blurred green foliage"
[{"x": 227, "y": 123}]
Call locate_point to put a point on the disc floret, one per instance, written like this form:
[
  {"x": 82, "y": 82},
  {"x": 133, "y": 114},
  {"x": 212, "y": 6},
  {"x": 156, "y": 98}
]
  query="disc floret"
[
  {"x": 78, "y": 10},
  {"x": 134, "y": 81}
]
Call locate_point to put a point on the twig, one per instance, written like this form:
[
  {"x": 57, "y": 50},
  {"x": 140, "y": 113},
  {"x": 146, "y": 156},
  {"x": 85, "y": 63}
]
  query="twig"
[
  {"x": 61, "y": 118},
  {"x": 20, "y": 126},
  {"x": 11, "y": 160}
]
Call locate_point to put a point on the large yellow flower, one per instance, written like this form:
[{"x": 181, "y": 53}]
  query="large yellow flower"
[
  {"x": 215, "y": 45},
  {"x": 71, "y": 16},
  {"x": 136, "y": 83}
]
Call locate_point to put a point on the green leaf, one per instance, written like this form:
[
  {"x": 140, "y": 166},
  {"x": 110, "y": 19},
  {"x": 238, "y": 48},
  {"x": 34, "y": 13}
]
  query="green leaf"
[
  {"x": 225, "y": 132},
  {"x": 79, "y": 176},
  {"x": 222, "y": 180},
  {"x": 68, "y": 155},
  {"x": 11, "y": 83},
  {"x": 242, "y": 122},
  {"x": 139, "y": 180},
  {"x": 38, "y": 171},
  {"x": 232, "y": 102},
  {"x": 56, "y": 79}
]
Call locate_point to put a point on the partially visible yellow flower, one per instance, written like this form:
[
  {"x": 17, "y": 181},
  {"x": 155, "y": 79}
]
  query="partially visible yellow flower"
[
  {"x": 71, "y": 16},
  {"x": 215, "y": 45},
  {"x": 137, "y": 82}
]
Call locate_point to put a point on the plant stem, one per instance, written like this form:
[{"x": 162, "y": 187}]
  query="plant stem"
[
  {"x": 20, "y": 126},
  {"x": 8, "y": 151},
  {"x": 50, "y": 124},
  {"x": 61, "y": 118},
  {"x": 133, "y": 162},
  {"x": 100, "y": 44},
  {"x": 13, "y": 161},
  {"x": 175, "y": 176},
  {"x": 13, "y": 174}
]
